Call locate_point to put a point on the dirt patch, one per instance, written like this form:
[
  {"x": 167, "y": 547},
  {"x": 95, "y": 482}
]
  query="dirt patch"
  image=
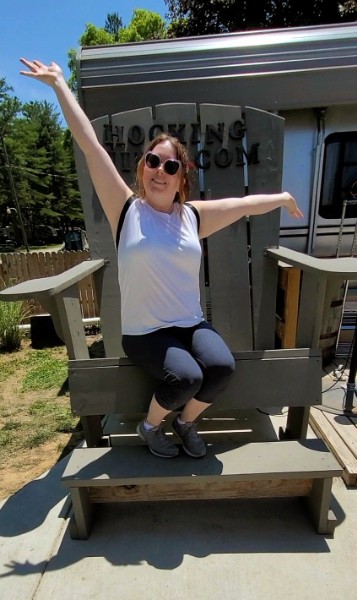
[{"x": 37, "y": 428}]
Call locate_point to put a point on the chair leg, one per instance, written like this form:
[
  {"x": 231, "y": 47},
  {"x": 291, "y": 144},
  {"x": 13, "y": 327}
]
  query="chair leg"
[
  {"x": 83, "y": 510},
  {"x": 296, "y": 424},
  {"x": 319, "y": 506},
  {"x": 92, "y": 430}
]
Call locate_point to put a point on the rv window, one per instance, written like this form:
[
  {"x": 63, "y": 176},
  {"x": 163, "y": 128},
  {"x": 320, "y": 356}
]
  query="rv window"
[{"x": 339, "y": 176}]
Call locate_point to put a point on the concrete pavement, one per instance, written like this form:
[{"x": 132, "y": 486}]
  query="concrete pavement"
[{"x": 242, "y": 550}]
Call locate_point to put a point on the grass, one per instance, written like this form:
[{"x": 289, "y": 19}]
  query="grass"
[
  {"x": 44, "y": 371},
  {"x": 12, "y": 315},
  {"x": 37, "y": 427},
  {"x": 34, "y": 405}
]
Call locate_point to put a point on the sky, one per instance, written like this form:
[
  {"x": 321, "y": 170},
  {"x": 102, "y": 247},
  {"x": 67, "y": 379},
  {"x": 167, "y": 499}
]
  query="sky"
[{"x": 47, "y": 29}]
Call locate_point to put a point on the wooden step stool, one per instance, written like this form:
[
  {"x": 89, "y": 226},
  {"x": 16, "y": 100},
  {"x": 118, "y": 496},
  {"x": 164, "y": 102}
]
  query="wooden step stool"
[{"x": 255, "y": 470}]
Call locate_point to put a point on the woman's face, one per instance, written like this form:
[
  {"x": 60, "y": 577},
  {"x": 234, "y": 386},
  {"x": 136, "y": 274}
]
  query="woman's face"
[{"x": 160, "y": 187}]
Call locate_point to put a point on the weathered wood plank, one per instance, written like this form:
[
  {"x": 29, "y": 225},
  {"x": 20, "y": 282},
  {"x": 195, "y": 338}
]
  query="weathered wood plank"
[
  {"x": 177, "y": 118},
  {"x": 336, "y": 268},
  {"x": 289, "y": 284},
  {"x": 112, "y": 389},
  {"x": 346, "y": 430},
  {"x": 228, "y": 271},
  {"x": 249, "y": 462},
  {"x": 265, "y": 132},
  {"x": 318, "y": 502},
  {"x": 240, "y": 427},
  {"x": 275, "y": 469},
  {"x": 50, "y": 286},
  {"x": 323, "y": 428},
  {"x": 201, "y": 490}
]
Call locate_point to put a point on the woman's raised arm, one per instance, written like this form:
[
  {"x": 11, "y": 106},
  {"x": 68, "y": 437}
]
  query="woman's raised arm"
[{"x": 111, "y": 189}]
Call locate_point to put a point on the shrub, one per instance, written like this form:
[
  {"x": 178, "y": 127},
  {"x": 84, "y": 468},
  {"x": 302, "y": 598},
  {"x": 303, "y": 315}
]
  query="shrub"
[{"x": 11, "y": 316}]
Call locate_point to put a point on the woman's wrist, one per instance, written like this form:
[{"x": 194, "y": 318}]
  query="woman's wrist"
[{"x": 287, "y": 200}]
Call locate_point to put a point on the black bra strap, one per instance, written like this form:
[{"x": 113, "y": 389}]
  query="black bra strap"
[
  {"x": 129, "y": 201},
  {"x": 196, "y": 213}
]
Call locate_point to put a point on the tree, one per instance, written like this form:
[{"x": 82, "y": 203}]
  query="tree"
[
  {"x": 113, "y": 25},
  {"x": 42, "y": 170},
  {"x": 9, "y": 108},
  {"x": 48, "y": 168},
  {"x": 144, "y": 25},
  {"x": 221, "y": 16},
  {"x": 96, "y": 36}
]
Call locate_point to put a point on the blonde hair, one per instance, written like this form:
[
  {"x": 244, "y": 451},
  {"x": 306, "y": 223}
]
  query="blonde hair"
[{"x": 181, "y": 155}]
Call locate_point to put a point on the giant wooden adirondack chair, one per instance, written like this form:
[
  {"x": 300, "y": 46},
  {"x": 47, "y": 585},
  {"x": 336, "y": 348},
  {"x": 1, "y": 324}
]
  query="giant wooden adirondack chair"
[{"x": 237, "y": 151}]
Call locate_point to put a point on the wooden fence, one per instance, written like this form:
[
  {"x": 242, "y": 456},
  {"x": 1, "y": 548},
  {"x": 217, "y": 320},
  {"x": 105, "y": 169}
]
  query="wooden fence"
[{"x": 20, "y": 266}]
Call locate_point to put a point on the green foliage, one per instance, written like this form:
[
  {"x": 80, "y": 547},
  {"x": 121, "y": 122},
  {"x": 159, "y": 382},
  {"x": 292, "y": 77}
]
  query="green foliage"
[
  {"x": 95, "y": 36},
  {"x": 221, "y": 16},
  {"x": 31, "y": 418},
  {"x": 41, "y": 160},
  {"x": 144, "y": 25},
  {"x": 113, "y": 25},
  {"x": 11, "y": 316},
  {"x": 44, "y": 371},
  {"x": 7, "y": 369}
]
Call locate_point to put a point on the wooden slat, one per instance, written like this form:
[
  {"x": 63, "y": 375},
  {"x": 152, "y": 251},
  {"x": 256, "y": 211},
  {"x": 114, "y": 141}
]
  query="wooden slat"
[
  {"x": 263, "y": 461},
  {"x": 110, "y": 390},
  {"x": 179, "y": 117},
  {"x": 201, "y": 490},
  {"x": 335, "y": 268},
  {"x": 228, "y": 249},
  {"x": 265, "y": 176},
  {"x": 101, "y": 245},
  {"x": 51, "y": 286},
  {"x": 345, "y": 429},
  {"x": 127, "y": 154},
  {"x": 324, "y": 429},
  {"x": 240, "y": 427},
  {"x": 287, "y": 307},
  {"x": 17, "y": 268}
]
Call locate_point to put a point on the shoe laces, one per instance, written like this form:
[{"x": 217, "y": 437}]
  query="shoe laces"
[
  {"x": 191, "y": 429},
  {"x": 161, "y": 436}
]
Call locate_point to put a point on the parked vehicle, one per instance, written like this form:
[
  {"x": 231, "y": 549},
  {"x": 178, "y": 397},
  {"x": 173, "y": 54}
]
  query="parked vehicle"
[
  {"x": 7, "y": 244},
  {"x": 304, "y": 74}
]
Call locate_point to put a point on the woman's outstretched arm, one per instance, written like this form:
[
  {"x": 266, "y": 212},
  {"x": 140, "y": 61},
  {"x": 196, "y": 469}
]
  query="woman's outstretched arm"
[{"x": 217, "y": 214}]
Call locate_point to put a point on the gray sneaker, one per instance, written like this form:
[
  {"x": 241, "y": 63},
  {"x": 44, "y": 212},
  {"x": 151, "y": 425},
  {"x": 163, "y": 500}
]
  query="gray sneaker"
[
  {"x": 157, "y": 441},
  {"x": 192, "y": 443}
]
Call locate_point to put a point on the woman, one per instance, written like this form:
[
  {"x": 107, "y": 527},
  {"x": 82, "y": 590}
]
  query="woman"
[{"x": 159, "y": 257}]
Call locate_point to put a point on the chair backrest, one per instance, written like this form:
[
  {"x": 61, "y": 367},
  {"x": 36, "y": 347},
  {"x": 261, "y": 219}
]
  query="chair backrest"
[{"x": 234, "y": 151}]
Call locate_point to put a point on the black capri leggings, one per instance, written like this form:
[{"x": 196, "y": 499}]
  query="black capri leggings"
[{"x": 192, "y": 362}]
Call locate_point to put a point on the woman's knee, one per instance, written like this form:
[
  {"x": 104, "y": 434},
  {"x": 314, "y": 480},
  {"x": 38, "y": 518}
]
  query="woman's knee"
[
  {"x": 177, "y": 389},
  {"x": 216, "y": 379},
  {"x": 222, "y": 372}
]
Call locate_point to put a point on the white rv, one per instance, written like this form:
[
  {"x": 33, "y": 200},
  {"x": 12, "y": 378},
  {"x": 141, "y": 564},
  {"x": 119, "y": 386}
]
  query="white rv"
[{"x": 308, "y": 75}]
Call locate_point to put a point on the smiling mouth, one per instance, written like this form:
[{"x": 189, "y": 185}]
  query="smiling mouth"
[{"x": 158, "y": 182}]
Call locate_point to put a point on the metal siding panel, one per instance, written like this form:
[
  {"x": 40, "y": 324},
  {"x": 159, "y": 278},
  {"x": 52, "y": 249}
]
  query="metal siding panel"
[{"x": 273, "y": 70}]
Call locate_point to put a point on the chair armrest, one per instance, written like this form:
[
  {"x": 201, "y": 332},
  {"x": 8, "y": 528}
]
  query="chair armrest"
[
  {"x": 45, "y": 287},
  {"x": 339, "y": 268}
]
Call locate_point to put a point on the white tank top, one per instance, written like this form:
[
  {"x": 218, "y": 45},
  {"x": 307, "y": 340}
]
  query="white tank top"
[{"x": 159, "y": 257}]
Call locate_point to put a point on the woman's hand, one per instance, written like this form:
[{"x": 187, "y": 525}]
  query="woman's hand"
[
  {"x": 291, "y": 205},
  {"x": 47, "y": 74}
]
